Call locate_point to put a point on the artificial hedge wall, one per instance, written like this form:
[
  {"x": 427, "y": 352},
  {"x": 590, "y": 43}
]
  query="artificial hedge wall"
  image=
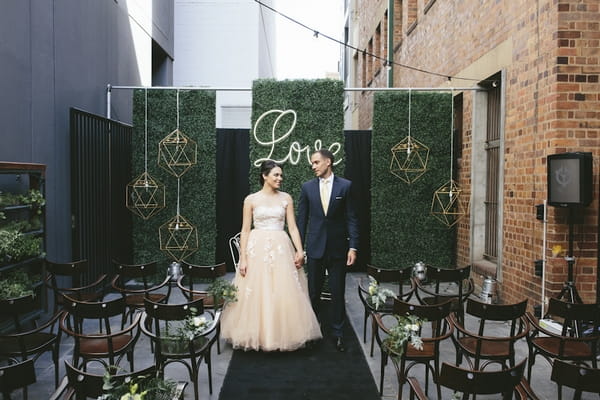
[
  {"x": 402, "y": 229},
  {"x": 319, "y": 106},
  {"x": 197, "y": 186}
]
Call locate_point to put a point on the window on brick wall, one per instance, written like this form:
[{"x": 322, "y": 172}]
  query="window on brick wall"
[
  {"x": 487, "y": 176},
  {"x": 492, "y": 189}
]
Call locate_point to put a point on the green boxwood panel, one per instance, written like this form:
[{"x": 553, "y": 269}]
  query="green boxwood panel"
[
  {"x": 402, "y": 229},
  {"x": 319, "y": 106},
  {"x": 197, "y": 186}
]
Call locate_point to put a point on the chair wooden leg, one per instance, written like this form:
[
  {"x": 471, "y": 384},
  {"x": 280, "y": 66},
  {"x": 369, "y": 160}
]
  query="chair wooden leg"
[
  {"x": 382, "y": 371},
  {"x": 209, "y": 367},
  {"x": 365, "y": 326},
  {"x": 373, "y": 328}
]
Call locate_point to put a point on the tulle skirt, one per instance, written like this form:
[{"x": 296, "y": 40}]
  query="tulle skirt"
[{"x": 273, "y": 310}]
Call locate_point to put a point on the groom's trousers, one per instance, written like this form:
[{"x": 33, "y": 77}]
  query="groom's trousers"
[{"x": 336, "y": 276}]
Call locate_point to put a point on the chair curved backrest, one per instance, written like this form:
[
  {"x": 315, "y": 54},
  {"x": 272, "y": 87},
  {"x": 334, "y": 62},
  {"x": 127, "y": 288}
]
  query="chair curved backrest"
[
  {"x": 81, "y": 384},
  {"x": 192, "y": 274},
  {"x": 25, "y": 342},
  {"x": 75, "y": 271},
  {"x": 158, "y": 319},
  {"x": 474, "y": 341},
  {"x": 578, "y": 377},
  {"x": 469, "y": 382},
  {"x": 141, "y": 273},
  {"x": 434, "y": 288},
  {"x": 91, "y": 345},
  {"x": 235, "y": 249}
]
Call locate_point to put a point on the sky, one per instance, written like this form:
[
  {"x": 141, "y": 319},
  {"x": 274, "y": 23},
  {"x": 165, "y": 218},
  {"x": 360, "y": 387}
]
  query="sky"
[{"x": 299, "y": 54}]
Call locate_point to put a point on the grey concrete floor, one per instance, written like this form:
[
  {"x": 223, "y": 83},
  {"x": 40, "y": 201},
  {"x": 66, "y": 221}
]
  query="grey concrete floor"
[{"x": 44, "y": 387}]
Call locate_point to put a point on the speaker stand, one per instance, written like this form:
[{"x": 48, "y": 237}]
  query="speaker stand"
[{"x": 569, "y": 291}]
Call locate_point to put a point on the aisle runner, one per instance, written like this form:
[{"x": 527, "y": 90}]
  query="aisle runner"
[{"x": 308, "y": 374}]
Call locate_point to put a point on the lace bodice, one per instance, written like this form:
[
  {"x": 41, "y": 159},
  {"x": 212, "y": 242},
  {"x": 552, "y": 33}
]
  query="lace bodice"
[{"x": 270, "y": 217}]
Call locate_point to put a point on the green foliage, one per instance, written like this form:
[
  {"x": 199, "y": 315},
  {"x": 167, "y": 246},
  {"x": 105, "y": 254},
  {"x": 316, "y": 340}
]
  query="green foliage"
[
  {"x": 15, "y": 284},
  {"x": 33, "y": 197},
  {"x": 197, "y": 186},
  {"x": 403, "y": 230},
  {"x": 145, "y": 387},
  {"x": 15, "y": 246},
  {"x": 319, "y": 106},
  {"x": 222, "y": 291}
]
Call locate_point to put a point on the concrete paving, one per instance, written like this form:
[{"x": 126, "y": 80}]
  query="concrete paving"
[{"x": 44, "y": 387}]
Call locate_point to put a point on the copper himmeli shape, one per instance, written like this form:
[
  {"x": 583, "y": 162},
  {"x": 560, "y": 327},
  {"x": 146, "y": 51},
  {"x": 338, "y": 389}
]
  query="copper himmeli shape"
[
  {"x": 447, "y": 205},
  {"x": 409, "y": 159},
  {"x": 178, "y": 238},
  {"x": 177, "y": 153},
  {"x": 145, "y": 196}
]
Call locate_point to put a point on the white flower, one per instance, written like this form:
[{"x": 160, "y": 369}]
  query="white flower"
[{"x": 199, "y": 321}]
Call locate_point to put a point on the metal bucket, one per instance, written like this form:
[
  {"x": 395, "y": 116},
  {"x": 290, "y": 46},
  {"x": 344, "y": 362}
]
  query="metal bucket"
[
  {"x": 488, "y": 290},
  {"x": 174, "y": 270},
  {"x": 419, "y": 270}
]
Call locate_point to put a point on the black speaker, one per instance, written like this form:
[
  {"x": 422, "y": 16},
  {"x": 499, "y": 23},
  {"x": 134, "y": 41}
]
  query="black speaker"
[{"x": 569, "y": 179}]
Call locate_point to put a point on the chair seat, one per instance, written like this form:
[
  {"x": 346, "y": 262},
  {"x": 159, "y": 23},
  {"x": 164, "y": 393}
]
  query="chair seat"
[
  {"x": 137, "y": 300},
  {"x": 99, "y": 346},
  {"x": 180, "y": 349},
  {"x": 207, "y": 299},
  {"x": 489, "y": 349},
  {"x": 571, "y": 350},
  {"x": 10, "y": 345},
  {"x": 81, "y": 296},
  {"x": 428, "y": 351}
]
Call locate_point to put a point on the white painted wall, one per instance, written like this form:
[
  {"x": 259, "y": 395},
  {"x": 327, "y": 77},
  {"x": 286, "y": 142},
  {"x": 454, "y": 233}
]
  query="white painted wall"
[{"x": 222, "y": 43}]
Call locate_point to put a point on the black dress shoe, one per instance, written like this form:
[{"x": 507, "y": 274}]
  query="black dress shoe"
[{"x": 339, "y": 344}]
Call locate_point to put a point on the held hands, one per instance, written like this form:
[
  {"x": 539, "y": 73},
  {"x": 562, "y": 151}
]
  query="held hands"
[
  {"x": 351, "y": 258},
  {"x": 299, "y": 259}
]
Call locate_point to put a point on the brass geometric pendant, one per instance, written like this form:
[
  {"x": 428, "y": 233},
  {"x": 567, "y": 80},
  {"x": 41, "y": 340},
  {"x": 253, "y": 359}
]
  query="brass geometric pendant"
[
  {"x": 178, "y": 238},
  {"x": 409, "y": 159},
  {"x": 177, "y": 153},
  {"x": 447, "y": 204},
  {"x": 145, "y": 196}
]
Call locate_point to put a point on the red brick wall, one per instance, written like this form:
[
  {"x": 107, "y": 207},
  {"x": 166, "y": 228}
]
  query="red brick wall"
[{"x": 552, "y": 105}]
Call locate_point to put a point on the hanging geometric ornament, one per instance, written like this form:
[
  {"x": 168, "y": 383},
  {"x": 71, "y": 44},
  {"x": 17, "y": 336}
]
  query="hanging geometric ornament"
[
  {"x": 409, "y": 156},
  {"x": 447, "y": 204},
  {"x": 176, "y": 152},
  {"x": 144, "y": 195},
  {"x": 178, "y": 237}
]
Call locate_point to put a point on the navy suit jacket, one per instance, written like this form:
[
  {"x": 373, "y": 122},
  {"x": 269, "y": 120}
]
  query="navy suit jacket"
[{"x": 332, "y": 234}]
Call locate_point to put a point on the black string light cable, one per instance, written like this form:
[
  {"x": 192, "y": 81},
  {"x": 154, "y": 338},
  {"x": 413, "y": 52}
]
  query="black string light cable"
[{"x": 386, "y": 62}]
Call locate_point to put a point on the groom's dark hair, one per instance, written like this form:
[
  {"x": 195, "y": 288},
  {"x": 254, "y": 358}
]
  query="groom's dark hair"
[{"x": 327, "y": 154}]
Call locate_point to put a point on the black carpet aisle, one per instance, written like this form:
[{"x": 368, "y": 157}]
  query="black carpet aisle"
[{"x": 317, "y": 373}]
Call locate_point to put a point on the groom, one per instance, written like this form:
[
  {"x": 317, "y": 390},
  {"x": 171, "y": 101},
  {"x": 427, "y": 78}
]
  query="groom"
[{"x": 329, "y": 228}]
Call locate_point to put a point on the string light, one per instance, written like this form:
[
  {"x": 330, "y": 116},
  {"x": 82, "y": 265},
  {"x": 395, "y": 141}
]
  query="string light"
[{"x": 364, "y": 52}]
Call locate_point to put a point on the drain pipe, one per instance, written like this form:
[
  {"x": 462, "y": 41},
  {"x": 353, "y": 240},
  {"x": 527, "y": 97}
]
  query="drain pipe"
[{"x": 390, "y": 43}]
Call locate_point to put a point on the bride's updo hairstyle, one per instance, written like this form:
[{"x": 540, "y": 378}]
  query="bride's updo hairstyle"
[{"x": 265, "y": 169}]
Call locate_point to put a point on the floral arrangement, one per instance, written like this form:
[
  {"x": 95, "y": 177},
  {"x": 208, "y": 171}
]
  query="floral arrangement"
[
  {"x": 223, "y": 290},
  {"x": 139, "y": 388},
  {"x": 188, "y": 329},
  {"x": 377, "y": 294},
  {"x": 407, "y": 329}
]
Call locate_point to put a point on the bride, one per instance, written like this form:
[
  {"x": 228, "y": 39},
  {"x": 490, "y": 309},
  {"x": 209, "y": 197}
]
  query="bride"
[{"x": 273, "y": 311}]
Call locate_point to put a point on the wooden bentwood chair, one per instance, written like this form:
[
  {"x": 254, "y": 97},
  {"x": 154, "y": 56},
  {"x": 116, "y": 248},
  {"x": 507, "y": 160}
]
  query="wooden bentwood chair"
[
  {"x": 383, "y": 276},
  {"x": 473, "y": 341},
  {"x": 158, "y": 319},
  {"x": 197, "y": 277},
  {"x": 436, "y": 328}
]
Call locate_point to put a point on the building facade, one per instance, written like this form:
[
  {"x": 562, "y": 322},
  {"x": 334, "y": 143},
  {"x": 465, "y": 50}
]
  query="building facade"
[
  {"x": 62, "y": 54},
  {"x": 533, "y": 67},
  {"x": 224, "y": 44}
]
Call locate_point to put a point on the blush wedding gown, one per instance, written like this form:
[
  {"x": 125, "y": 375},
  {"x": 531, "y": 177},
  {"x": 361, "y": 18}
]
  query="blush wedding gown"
[{"x": 273, "y": 310}]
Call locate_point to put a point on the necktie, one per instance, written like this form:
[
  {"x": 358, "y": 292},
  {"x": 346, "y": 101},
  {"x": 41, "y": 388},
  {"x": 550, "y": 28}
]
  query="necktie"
[{"x": 324, "y": 195}]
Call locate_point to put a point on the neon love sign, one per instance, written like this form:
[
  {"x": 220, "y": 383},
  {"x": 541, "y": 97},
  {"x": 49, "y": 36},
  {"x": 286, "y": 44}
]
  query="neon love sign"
[{"x": 296, "y": 149}]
